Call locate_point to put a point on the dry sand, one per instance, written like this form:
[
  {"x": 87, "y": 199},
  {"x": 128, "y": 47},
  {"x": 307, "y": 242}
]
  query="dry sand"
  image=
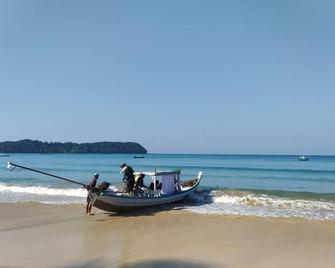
[{"x": 37, "y": 235}]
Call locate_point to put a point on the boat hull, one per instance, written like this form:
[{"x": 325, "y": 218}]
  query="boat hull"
[{"x": 115, "y": 203}]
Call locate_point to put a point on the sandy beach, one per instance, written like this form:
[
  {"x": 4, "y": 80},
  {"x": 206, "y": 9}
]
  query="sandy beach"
[{"x": 38, "y": 235}]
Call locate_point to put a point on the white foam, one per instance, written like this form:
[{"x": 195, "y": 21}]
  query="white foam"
[
  {"x": 272, "y": 201},
  {"x": 42, "y": 190},
  {"x": 248, "y": 204},
  {"x": 13, "y": 193},
  {"x": 215, "y": 202}
]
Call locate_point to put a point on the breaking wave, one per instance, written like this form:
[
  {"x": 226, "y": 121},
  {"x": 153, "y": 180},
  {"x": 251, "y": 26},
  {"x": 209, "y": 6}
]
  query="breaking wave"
[
  {"x": 250, "y": 204},
  {"x": 13, "y": 193},
  {"x": 205, "y": 201}
]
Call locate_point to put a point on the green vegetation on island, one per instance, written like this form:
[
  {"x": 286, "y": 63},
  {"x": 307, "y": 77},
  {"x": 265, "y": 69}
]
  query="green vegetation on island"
[{"x": 35, "y": 146}]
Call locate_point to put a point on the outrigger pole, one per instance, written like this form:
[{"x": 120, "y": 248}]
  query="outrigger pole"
[{"x": 10, "y": 164}]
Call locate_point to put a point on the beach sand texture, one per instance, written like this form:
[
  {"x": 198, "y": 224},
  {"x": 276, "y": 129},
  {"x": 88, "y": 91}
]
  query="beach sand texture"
[{"x": 39, "y": 235}]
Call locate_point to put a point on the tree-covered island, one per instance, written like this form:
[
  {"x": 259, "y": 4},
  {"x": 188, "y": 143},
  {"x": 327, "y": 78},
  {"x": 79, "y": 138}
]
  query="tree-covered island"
[{"x": 35, "y": 146}]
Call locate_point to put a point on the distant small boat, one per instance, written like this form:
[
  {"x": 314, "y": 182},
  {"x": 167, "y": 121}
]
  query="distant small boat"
[
  {"x": 138, "y": 156},
  {"x": 303, "y": 158},
  {"x": 4, "y": 155}
]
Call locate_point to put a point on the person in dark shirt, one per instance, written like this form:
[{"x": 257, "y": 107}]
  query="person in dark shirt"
[
  {"x": 90, "y": 189},
  {"x": 139, "y": 181},
  {"x": 128, "y": 178},
  {"x": 139, "y": 186},
  {"x": 158, "y": 185}
]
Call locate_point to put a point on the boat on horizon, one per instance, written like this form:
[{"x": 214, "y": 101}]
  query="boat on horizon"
[
  {"x": 138, "y": 156},
  {"x": 4, "y": 155},
  {"x": 303, "y": 158}
]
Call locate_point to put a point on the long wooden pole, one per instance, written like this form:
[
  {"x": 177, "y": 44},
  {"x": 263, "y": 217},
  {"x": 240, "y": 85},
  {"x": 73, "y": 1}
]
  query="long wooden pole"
[{"x": 45, "y": 173}]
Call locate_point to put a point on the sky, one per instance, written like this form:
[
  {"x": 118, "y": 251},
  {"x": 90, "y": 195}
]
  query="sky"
[{"x": 186, "y": 76}]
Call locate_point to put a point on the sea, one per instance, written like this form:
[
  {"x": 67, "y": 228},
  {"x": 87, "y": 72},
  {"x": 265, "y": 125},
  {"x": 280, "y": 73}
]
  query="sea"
[{"x": 246, "y": 185}]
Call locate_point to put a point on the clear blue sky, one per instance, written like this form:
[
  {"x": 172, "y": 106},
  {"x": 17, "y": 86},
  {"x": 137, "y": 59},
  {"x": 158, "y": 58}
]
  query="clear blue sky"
[{"x": 176, "y": 76}]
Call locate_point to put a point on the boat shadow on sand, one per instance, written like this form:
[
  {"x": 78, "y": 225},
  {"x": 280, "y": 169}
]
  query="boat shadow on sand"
[{"x": 199, "y": 198}]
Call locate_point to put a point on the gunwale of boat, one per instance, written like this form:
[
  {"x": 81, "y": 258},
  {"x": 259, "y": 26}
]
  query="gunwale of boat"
[{"x": 118, "y": 195}]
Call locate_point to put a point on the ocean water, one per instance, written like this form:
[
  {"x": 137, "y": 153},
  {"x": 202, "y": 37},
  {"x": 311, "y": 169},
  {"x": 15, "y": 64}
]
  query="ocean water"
[{"x": 265, "y": 186}]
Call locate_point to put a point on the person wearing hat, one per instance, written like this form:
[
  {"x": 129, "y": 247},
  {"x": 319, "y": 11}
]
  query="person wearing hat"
[
  {"x": 90, "y": 189},
  {"x": 128, "y": 177}
]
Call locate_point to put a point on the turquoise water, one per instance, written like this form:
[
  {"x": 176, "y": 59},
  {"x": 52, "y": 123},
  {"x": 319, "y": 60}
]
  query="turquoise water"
[{"x": 232, "y": 184}]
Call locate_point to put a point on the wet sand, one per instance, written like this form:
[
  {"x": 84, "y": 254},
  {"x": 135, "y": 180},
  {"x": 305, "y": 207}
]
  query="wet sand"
[{"x": 37, "y": 235}]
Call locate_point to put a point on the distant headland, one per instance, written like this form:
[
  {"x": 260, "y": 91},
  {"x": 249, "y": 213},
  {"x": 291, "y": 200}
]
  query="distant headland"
[{"x": 35, "y": 146}]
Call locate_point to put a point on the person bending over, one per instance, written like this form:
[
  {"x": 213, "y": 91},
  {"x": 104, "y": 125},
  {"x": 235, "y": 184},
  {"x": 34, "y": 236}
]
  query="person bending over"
[{"x": 90, "y": 189}]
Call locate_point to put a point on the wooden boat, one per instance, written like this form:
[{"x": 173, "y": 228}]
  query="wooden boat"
[
  {"x": 110, "y": 199},
  {"x": 173, "y": 190}
]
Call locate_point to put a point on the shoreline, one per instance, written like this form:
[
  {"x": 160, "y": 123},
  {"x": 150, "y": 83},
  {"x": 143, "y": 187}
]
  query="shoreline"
[
  {"x": 45, "y": 235},
  {"x": 154, "y": 210}
]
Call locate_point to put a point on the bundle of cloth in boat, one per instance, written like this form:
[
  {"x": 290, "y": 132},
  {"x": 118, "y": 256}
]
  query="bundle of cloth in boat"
[{"x": 104, "y": 186}]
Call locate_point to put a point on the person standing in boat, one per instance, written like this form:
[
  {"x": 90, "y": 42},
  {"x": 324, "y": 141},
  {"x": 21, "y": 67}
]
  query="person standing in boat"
[
  {"x": 90, "y": 188},
  {"x": 128, "y": 178}
]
